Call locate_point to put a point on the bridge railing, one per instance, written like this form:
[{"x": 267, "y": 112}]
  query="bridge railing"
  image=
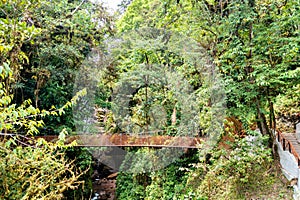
[{"x": 287, "y": 146}]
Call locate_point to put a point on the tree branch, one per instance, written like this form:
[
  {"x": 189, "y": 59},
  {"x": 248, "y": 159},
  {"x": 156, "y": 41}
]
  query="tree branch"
[{"x": 74, "y": 11}]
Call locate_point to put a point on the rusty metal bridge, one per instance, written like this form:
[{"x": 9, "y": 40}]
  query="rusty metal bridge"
[{"x": 124, "y": 140}]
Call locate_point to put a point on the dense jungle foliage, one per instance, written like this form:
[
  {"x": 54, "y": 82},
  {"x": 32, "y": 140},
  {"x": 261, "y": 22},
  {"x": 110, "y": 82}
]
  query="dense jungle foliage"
[
  {"x": 226, "y": 70},
  {"x": 254, "y": 46},
  {"x": 42, "y": 44}
]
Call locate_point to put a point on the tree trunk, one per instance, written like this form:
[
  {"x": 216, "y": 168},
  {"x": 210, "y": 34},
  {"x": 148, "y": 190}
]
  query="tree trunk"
[
  {"x": 262, "y": 124},
  {"x": 272, "y": 126},
  {"x": 272, "y": 116},
  {"x": 263, "y": 127}
]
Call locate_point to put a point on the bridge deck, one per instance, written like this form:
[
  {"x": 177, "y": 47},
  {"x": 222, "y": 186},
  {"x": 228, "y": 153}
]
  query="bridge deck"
[{"x": 122, "y": 140}]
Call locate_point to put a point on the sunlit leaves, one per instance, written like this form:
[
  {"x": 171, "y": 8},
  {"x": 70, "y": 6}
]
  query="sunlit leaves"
[
  {"x": 13, "y": 117},
  {"x": 35, "y": 172}
]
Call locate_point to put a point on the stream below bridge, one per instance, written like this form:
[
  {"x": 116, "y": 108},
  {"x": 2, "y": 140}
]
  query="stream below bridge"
[{"x": 104, "y": 182}]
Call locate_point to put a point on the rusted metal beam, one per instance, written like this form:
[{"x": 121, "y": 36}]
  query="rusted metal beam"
[{"x": 123, "y": 140}]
